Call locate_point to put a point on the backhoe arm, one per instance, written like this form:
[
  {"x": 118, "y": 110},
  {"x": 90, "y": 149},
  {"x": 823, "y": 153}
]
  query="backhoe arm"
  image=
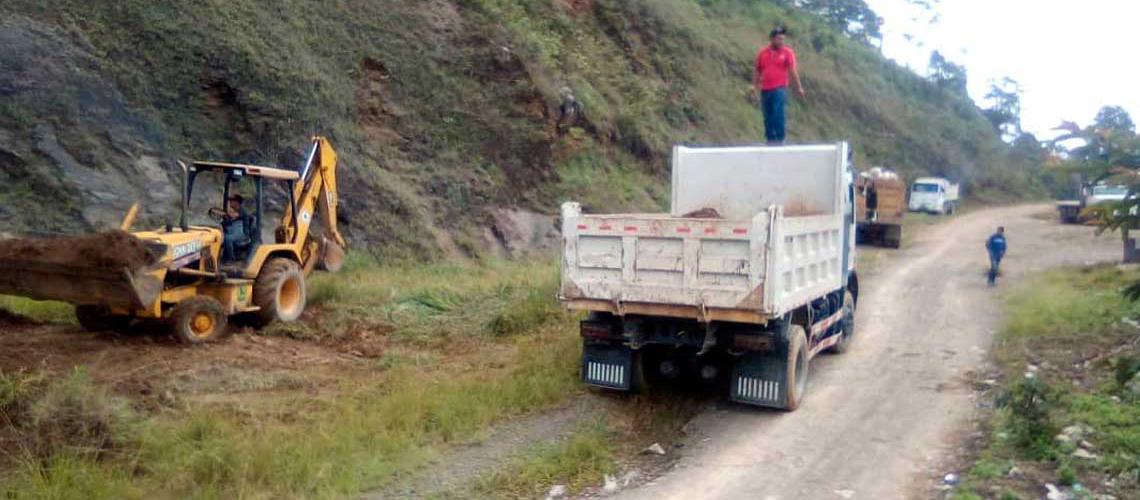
[{"x": 316, "y": 192}]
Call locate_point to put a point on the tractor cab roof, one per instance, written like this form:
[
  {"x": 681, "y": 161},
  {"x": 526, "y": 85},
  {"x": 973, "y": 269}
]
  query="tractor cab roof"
[{"x": 252, "y": 170}]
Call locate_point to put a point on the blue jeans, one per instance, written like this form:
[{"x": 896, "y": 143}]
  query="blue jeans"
[
  {"x": 995, "y": 261},
  {"x": 234, "y": 234},
  {"x": 772, "y": 103}
]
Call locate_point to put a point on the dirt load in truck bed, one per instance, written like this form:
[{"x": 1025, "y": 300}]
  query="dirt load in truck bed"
[
  {"x": 704, "y": 213},
  {"x": 106, "y": 250}
]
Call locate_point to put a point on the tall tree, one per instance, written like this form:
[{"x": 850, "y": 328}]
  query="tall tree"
[
  {"x": 853, "y": 17},
  {"x": 947, "y": 74},
  {"x": 1114, "y": 118},
  {"x": 1004, "y": 112}
]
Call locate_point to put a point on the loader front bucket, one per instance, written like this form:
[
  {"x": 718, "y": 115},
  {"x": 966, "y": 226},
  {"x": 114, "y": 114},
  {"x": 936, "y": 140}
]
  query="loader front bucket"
[
  {"x": 79, "y": 285},
  {"x": 107, "y": 269}
]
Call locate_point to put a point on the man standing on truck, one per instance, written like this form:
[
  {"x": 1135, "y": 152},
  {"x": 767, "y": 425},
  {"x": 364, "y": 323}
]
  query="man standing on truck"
[
  {"x": 774, "y": 63},
  {"x": 996, "y": 248}
]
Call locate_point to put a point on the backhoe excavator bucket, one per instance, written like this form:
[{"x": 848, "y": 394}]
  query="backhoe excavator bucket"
[
  {"x": 108, "y": 269},
  {"x": 331, "y": 256}
]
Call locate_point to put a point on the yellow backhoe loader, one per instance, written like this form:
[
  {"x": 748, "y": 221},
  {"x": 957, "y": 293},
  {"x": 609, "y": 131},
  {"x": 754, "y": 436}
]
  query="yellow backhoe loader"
[{"x": 195, "y": 276}]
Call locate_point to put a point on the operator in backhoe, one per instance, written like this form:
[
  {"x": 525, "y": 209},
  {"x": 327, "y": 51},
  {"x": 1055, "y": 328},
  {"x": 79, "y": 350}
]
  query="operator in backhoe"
[{"x": 236, "y": 224}]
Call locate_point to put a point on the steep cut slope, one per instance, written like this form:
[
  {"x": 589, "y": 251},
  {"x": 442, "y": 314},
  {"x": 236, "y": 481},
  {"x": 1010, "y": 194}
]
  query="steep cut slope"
[{"x": 446, "y": 112}]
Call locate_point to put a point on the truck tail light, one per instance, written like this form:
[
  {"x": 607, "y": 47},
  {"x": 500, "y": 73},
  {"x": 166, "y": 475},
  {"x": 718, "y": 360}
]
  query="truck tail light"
[{"x": 598, "y": 330}]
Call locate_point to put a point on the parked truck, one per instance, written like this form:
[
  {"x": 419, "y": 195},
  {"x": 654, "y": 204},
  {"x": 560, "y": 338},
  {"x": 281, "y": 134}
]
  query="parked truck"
[
  {"x": 748, "y": 277},
  {"x": 933, "y": 195},
  {"x": 880, "y": 204},
  {"x": 1073, "y": 211}
]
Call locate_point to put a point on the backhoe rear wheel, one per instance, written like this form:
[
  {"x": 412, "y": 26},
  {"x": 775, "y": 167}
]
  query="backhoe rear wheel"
[
  {"x": 279, "y": 291},
  {"x": 197, "y": 320},
  {"x": 99, "y": 319}
]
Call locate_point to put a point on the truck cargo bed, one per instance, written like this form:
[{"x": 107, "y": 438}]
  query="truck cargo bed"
[{"x": 753, "y": 264}]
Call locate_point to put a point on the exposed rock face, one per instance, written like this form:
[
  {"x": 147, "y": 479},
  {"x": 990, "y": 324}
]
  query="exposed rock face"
[{"x": 521, "y": 233}]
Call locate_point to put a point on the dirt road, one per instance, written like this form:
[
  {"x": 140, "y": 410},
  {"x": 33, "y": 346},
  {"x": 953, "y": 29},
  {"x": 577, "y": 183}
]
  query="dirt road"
[{"x": 881, "y": 421}]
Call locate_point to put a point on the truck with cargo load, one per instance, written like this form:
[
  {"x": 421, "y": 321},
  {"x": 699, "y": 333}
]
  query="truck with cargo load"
[
  {"x": 880, "y": 205},
  {"x": 749, "y": 276}
]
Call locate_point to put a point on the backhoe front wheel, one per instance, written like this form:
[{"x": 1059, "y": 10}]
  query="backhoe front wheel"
[
  {"x": 198, "y": 320},
  {"x": 279, "y": 291}
]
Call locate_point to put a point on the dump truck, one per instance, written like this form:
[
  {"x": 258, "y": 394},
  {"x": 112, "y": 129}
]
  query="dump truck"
[
  {"x": 933, "y": 195},
  {"x": 195, "y": 277},
  {"x": 880, "y": 205},
  {"x": 749, "y": 276},
  {"x": 1073, "y": 211}
]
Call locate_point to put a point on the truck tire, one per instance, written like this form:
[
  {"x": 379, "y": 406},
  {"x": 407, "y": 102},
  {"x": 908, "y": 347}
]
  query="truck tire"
[
  {"x": 279, "y": 291},
  {"x": 198, "y": 320},
  {"x": 795, "y": 382},
  {"x": 99, "y": 319},
  {"x": 848, "y": 323}
]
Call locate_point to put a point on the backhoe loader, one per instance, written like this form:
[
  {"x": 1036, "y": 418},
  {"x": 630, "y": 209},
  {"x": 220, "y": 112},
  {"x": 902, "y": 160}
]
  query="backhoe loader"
[{"x": 196, "y": 277}]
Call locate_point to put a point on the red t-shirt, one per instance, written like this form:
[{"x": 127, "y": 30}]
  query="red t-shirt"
[{"x": 774, "y": 65}]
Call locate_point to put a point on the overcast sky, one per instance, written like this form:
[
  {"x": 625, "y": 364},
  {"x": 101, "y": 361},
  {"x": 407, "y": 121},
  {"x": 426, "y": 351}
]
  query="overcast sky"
[{"x": 1070, "y": 57}]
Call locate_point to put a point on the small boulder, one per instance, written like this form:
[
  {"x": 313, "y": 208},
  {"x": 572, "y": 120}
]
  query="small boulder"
[
  {"x": 610, "y": 486},
  {"x": 1084, "y": 454},
  {"x": 654, "y": 449},
  {"x": 558, "y": 491}
]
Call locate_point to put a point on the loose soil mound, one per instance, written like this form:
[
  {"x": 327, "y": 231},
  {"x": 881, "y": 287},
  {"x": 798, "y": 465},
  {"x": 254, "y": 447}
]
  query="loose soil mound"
[
  {"x": 704, "y": 213},
  {"x": 107, "y": 250}
]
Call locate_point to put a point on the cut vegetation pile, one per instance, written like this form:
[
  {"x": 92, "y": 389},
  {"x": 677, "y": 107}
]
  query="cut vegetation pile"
[{"x": 1068, "y": 403}]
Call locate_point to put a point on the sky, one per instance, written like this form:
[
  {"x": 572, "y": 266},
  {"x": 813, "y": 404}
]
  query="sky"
[{"x": 1071, "y": 58}]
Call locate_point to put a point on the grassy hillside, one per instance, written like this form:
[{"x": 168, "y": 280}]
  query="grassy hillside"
[{"x": 442, "y": 110}]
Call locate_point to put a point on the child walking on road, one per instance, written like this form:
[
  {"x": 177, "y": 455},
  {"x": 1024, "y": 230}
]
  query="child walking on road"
[{"x": 995, "y": 246}]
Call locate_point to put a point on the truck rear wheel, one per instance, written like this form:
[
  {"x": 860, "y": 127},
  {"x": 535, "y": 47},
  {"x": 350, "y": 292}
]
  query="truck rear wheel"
[
  {"x": 279, "y": 291},
  {"x": 795, "y": 382},
  {"x": 197, "y": 320},
  {"x": 848, "y": 323}
]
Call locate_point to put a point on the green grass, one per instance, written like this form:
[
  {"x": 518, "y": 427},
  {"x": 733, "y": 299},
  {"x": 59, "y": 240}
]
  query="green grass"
[
  {"x": 582, "y": 459},
  {"x": 435, "y": 303},
  {"x": 517, "y": 352},
  {"x": 38, "y": 310},
  {"x": 1068, "y": 304},
  {"x": 1057, "y": 321}
]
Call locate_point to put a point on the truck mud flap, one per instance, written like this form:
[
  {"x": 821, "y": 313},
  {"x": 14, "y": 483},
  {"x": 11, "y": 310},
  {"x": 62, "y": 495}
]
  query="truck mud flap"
[
  {"x": 760, "y": 380},
  {"x": 608, "y": 366}
]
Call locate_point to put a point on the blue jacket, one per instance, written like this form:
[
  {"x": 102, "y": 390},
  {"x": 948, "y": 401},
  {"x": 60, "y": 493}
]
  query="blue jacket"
[{"x": 996, "y": 244}]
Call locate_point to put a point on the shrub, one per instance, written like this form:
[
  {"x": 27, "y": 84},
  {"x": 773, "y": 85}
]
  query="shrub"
[
  {"x": 74, "y": 416},
  {"x": 1029, "y": 404}
]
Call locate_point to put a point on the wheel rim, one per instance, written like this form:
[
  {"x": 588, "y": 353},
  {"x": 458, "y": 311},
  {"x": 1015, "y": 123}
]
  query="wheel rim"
[
  {"x": 202, "y": 324},
  {"x": 289, "y": 297}
]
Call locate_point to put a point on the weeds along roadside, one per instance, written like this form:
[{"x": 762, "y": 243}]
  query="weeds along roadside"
[
  {"x": 1067, "y": 407},
  {"x": 518, "y": 353}
]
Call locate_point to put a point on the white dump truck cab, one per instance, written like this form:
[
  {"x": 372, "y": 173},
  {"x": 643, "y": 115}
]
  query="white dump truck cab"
[
  {"x": 933, "y": 195},
  {"x": 748, "y": 276},
  {"x": 1102, "y": 193}
]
